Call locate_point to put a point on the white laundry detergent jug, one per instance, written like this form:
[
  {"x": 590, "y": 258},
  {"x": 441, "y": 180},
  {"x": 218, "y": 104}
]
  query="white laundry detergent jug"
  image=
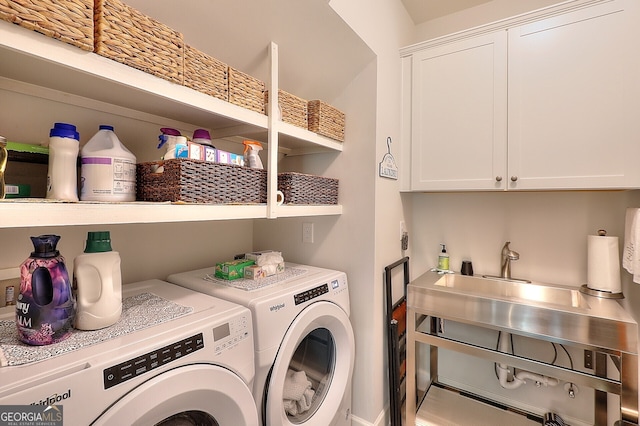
[
  {"x": 98, "y": 283},
  {"x": 108, "y": 169}
]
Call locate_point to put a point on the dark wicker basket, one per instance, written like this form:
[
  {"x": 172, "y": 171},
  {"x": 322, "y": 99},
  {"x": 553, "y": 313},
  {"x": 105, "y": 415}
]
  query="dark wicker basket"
[
  {"x": 300, "y": 188},
  {"x": 193, "y": 181}
]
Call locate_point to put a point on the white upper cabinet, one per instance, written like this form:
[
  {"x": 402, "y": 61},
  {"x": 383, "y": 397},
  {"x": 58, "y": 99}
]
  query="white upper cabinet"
[
  {"x": 459, "y": 114},
  {"x": 545, "y": 101},
  {"x": 572, "y": 103}
]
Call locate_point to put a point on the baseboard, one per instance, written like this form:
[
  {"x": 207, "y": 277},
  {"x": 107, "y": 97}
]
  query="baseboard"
[{"x": 382, "y": 420}]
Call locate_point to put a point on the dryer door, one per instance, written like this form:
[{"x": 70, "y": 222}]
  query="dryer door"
[
  {"x": 201, "y": 394},
  {"x": 310, "y": 381}
]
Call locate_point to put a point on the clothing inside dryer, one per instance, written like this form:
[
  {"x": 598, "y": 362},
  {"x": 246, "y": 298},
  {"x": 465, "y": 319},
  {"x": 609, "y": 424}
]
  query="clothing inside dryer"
[
  {"x": 189, "y": 418},
  {"x": 309, "y": 375}
]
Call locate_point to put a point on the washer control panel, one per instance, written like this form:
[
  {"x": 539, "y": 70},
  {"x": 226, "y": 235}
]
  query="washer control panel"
[
  {"x": 151, "y": 360},
  {"x": 231, "y": 333},
  {"x": 310, "y": 294}
]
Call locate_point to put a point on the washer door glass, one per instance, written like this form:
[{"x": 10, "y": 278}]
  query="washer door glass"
[
  {"x": 309, "y": 375},
  {"x": 312, "y": 371},
  {"x": 189, "y": 418}
]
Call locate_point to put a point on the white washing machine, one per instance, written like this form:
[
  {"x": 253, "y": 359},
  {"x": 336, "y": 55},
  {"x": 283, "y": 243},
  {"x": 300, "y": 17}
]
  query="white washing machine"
[
  {"x": 195, "y": 368},
  {"x": 300, "y": 325}
]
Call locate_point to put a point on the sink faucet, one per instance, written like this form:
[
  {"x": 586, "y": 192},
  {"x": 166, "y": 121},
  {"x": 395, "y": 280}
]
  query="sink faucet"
[{"x": 507, "y": 256}]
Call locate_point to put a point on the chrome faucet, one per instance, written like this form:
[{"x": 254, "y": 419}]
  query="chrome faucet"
[{"x": 507, "y": 256}]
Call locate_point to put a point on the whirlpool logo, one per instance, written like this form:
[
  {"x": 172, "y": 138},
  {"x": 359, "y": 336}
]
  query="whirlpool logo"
[{"x": 276, "y": 308}]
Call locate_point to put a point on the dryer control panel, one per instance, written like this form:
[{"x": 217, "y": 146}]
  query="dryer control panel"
[
  {"x": 312, "y": 293},
  {"x": 151, "y": 360}
]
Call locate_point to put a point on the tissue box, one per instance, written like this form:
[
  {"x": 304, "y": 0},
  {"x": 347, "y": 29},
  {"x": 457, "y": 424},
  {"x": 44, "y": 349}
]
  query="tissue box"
[
  {"x": 255, "y": 255},
  {"x": 209, "y": 154},
  {"x": 233, "y": 269},
  {"x": 224, "y": 157},
  {"x": 254, "y": 272}
]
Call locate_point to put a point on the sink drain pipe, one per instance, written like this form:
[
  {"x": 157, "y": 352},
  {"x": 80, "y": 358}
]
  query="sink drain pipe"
[{"x": 521, "y": 376}]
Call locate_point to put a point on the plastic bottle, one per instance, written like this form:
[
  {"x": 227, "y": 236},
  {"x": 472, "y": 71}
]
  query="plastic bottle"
[
  {"x": 443, "y": 259},
  {"x": 3, "y": 164},
  {"x": 174, "y": 144},
  {"x": 98, "y": 283},
  {"x": 62, "y": 177},
  {"x": 45, "y": 306},
  {"x": 251, "y": 152},
  {"x": 108, "y": 168}
]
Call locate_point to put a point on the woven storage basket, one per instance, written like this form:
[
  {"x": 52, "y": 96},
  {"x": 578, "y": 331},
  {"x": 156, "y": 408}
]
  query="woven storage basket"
[
  {"x": 193, "y": 181},
  {"x": 293, "y": 109},
  {"x": 326, "y": 120},
  {"x": 205, "y": 73},
  {"x": 300, "y": 188},
  {"x": 134, "y": 39},
  {"x": 68, "y": 20},
  {"x": 246, "y": 91}
]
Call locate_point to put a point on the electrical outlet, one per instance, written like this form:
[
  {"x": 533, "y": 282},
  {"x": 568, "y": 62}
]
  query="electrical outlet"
[
  {"x": 307, "y": 232},
  {"x": 588, "y": 359}
]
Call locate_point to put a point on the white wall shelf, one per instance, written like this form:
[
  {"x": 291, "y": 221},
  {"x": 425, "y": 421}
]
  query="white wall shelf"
[{"x": 53, "y": 68}]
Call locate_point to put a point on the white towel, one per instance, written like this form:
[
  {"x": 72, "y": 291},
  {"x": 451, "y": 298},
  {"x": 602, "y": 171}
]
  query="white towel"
[
  {"x": 631, "y": 252},
  {"x": 297, "y": 393}
]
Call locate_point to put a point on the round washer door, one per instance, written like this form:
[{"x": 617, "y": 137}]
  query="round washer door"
[
  {"x": 321, "y": 315},
  {"x": 208, "y": 390}
]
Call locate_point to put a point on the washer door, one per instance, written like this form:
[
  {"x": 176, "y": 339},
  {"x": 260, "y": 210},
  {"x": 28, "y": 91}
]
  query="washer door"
[
  {"x": 319, "y": 343},
  {"x": 202, "y": 394}
]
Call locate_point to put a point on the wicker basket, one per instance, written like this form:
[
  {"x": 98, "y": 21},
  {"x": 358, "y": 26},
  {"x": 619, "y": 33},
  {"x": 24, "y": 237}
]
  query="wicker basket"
[
  {"x": 246, "y": 91},
  {"x": 205, "y": 73},
  {"x": 192, "y": 181},
  {"x": 300, "y": 188},
  {"x": 134, "y": 39},
  {"x": 293, "y": 110},
  {"x": 68, "y": 20},
  {"x": 326, "y": 120}
]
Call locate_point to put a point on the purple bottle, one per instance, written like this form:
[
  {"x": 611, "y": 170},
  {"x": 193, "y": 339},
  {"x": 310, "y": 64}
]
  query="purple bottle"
[{"x": 46, "y": 306}]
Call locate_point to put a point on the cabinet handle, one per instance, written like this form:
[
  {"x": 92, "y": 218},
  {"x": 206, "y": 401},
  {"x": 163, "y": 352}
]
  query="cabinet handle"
[
  {"x": 498, "y": 178},
  {"x": 514, "y": 178}
]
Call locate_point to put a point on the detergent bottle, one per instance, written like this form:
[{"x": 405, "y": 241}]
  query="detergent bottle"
[
  {"x": 45, "y": 306},
  {"x": 97, "y": 281},
  {"x": 108, "y": 168},
  {"x": 251, "y": 151}
]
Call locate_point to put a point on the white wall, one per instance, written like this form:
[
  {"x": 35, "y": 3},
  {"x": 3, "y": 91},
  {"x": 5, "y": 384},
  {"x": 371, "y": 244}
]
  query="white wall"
[{"x": 384, "y": 26}]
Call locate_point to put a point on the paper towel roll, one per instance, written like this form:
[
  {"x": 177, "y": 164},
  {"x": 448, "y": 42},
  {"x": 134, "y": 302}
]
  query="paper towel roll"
[{"x": 603, "y": 264}]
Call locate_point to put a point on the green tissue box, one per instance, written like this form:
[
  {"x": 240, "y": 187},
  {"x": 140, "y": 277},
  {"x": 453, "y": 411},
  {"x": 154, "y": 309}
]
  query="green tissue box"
[{"x": 232, "y": 270}]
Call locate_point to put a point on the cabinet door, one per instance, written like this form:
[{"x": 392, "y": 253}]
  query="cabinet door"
[
  {"x": 459, "y": 115},
  {"x": 573, "y": 100}
]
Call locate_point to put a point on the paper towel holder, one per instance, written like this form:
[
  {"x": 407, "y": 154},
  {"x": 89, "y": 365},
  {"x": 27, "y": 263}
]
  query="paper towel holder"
[{"x": 600, "y": 293}]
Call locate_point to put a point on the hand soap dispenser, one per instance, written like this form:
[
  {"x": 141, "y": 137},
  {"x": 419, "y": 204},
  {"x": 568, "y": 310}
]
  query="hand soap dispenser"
[{"x": 443, "y": 259}]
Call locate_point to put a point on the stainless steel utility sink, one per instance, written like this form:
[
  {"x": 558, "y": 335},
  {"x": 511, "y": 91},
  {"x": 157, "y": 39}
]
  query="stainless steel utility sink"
[
  {"x": 514, "y": 290},
  {"x": 561, "y": 313}
]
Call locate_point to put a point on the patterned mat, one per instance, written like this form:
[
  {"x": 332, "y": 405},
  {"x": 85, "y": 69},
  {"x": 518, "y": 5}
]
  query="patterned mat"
[
  {"x": 250, "y": 285},
  {"x": 138, "y": 312}
]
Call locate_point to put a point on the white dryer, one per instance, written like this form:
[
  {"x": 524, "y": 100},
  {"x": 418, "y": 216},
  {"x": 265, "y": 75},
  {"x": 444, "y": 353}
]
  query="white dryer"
[
  {"x": 302, "y": 332},
  {"x": 195, "y": 368}
]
